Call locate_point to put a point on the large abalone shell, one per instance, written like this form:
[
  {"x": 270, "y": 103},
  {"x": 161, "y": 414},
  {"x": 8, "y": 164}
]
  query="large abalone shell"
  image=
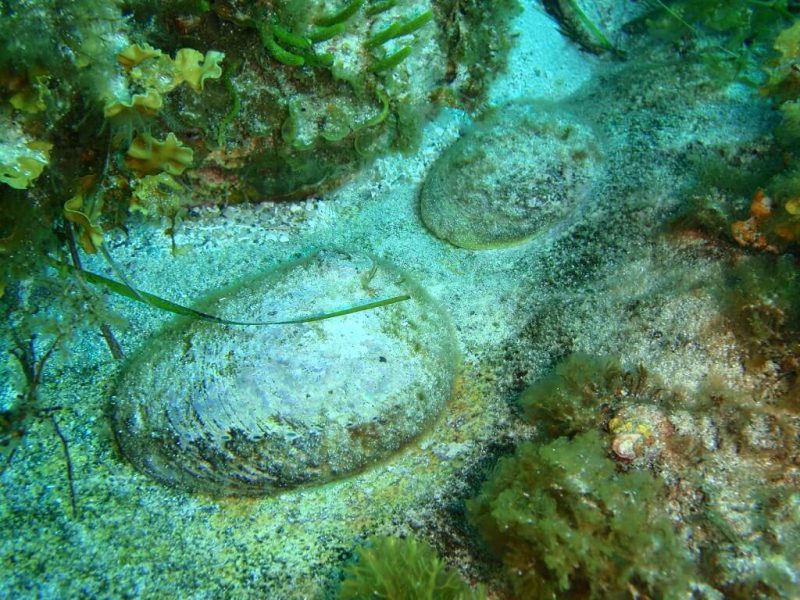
[{"x": 249, "y": 410}]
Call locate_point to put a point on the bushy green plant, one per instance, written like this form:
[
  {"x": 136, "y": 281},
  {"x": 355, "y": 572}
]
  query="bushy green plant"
[
  {"x": 570, "y": 398},
  {"x": 732, "y": 35},
  {"x": 402, "y": 569},
  {"x": 566, "y": 524},
  {"x": 742, "y": 20},
  {"x": 544, "y": 498},
  {"x": 759, "y": 297}
]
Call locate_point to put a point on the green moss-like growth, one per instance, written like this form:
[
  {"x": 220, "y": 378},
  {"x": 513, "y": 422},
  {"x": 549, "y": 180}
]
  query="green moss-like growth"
[
  {"x": 759, "y": 297},
  {"x": 403, "y": 569},
  {"x": 733, "y": 31},
  {"x": 738, "y": 496},
  {"x": 570, "y": 398},
  {"x": 483, "y": 51},
  {"x": 566, "y": 524}
]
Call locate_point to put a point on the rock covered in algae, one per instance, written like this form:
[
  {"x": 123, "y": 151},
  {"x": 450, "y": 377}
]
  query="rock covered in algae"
[
  {"x": 517, "y": 173},
  {"x": 247, "y": 410}
]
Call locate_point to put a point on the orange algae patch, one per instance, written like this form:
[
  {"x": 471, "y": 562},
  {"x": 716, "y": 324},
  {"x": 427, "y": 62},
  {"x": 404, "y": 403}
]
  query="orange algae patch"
[{"x": 748, "y": 232}]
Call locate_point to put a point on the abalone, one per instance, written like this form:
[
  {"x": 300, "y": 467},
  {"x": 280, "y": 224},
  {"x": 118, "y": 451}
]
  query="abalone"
[
  {"x": 522, "y": 170},
  {"x": 249, "y": 410}
]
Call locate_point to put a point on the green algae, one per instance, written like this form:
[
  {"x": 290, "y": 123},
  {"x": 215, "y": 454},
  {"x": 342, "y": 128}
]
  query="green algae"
[
  {"x": 566, "y": 524},
  {"x": 392, "y": 60},
  {"x": 537, "y": 504},
  {"x": 574, "y": 397},
  {"x": 402, "y": 569},
  {"x": 399, "y": 29},
  {"x": 347, "y": 11}
]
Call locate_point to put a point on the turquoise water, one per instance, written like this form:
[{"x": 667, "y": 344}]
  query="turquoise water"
[{"x": 573, "y": 376}]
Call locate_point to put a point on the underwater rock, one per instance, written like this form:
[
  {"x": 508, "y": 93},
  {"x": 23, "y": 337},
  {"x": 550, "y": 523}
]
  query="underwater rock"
[
  {"x": 248, "y": 410},
  {"x": 517, "y": 173},
  {"x": 312, "y": 90},
  {"x": 595, "y": 28}
]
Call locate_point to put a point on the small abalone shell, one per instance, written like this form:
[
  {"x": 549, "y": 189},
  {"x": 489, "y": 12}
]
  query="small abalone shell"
[
  {"x": 521, "y": 170},
  {"x": 248, "y": 410}
]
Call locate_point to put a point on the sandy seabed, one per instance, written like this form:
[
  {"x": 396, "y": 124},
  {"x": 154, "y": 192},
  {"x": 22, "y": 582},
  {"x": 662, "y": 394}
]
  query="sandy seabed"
[{"x": 604, "y": 282}]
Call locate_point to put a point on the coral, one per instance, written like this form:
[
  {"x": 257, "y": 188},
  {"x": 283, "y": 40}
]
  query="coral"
[
  {"x": 402, "y": 569},
  {"x": 566, "y": 524}
]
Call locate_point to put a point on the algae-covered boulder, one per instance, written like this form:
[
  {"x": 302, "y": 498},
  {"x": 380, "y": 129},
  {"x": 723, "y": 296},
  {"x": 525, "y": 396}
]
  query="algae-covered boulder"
[
  {"x": 519, "y": 172},
  {"x": 270, "y": 100},
  {"x": 314, "y": 88},
  {"x": 247, "y": 410}
]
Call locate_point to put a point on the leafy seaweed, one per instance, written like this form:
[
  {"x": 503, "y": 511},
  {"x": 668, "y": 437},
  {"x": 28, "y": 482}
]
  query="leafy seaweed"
[{"x": 123, "y": 289}]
